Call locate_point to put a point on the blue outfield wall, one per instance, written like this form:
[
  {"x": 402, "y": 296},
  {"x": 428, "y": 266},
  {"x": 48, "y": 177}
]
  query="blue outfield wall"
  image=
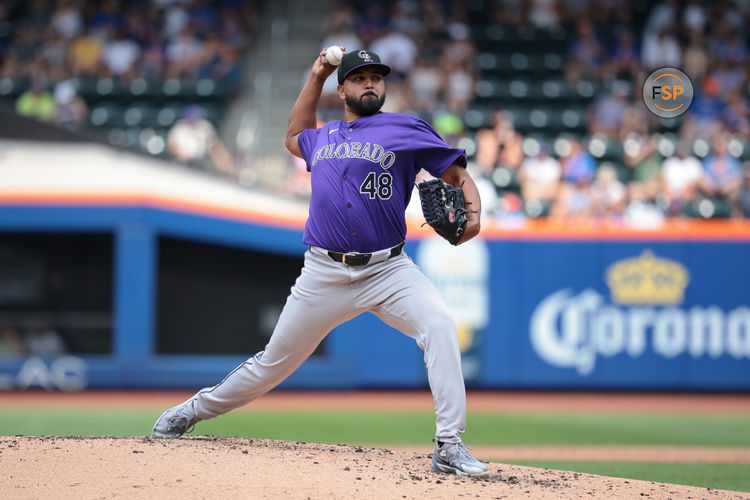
[{"x": 546, "y": 313}]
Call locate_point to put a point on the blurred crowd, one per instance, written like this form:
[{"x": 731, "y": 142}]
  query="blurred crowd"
[
  {"x": 52, "y": 41},
  {"x": 37, "y": 340},
  {"x": 52, "y": 48},
  {"x": 428, "y": 46},
  {"x": 622, "y": 163},
  {"x": 691, "y": 166}
]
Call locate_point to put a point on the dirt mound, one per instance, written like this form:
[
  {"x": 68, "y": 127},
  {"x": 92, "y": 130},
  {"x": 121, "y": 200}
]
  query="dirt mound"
[{"x": 209, "y": 467}]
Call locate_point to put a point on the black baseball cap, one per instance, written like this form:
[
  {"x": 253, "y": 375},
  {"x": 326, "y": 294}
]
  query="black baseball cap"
[{"x": 358, "y": 59}]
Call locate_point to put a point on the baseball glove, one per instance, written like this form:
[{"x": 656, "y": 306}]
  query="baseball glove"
[{"x": 444, "y": 208}]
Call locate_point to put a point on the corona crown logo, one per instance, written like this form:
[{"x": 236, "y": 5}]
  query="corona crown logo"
[{"x": 647, "y": 279}]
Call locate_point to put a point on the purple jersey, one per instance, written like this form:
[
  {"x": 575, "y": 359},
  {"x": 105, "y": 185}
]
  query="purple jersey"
[{"x": 362, "y": 178}]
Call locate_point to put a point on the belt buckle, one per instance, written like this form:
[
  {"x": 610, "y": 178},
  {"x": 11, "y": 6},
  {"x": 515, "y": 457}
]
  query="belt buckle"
[
  {"x": 356, "y": 259},
  {"x": 352, "y": 255}
]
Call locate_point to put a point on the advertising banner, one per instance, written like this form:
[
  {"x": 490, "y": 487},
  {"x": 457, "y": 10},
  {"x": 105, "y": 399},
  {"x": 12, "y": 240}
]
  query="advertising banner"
[{"x": 619, "y": 314}]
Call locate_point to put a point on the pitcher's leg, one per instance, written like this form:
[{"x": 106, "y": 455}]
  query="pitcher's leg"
[
  {"x": 415, "y": 307},
  {"x": 316, "y": 305}
]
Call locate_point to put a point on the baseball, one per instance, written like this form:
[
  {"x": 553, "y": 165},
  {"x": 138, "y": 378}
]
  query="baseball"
[{"x": 334, "y": 55}]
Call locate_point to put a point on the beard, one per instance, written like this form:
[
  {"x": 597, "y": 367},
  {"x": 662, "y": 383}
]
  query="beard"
[{"x": 366, "y": 105}]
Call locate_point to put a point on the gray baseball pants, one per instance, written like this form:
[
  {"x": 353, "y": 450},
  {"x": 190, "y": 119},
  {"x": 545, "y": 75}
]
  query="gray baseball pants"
[{"x": 328, "y": 293}]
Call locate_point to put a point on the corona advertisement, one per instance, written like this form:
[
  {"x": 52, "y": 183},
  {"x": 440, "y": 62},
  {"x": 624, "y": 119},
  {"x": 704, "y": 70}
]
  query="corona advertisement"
[
  {"x": 615, "y": 314},
  {"x": 643, "y": 313}
]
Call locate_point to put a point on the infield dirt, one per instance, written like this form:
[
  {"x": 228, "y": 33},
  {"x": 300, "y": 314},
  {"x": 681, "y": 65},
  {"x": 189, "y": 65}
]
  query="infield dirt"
[{"x": 209, "y": 467}]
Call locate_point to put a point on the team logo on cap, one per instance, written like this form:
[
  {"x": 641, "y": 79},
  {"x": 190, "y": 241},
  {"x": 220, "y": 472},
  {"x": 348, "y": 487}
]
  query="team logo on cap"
[{"x": 364, "y": 55}]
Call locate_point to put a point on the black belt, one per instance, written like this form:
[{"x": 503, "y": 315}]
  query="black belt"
[{"x": 361, "y": 259}]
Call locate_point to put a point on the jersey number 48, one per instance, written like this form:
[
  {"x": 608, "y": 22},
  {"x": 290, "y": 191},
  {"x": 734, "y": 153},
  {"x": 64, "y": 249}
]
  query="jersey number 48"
[{"x": 380, "y": 187}]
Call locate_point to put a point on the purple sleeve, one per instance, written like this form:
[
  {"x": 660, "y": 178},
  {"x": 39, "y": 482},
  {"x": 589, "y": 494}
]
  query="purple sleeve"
[
  {"x": 432, "y": 153},
  {"x": 306, "y": 141}
]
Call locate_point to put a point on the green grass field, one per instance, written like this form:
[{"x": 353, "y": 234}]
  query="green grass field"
[{"x": 389, "y": 428}]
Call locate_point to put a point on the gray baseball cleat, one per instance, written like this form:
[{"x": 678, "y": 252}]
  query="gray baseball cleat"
[
  {"x": 176, "y": 421},
  {"x": 455, "y": 458}
]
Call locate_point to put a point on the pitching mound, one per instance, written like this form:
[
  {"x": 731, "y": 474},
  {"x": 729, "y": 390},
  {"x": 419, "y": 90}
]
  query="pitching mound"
[{"x": 208, "y": 467}]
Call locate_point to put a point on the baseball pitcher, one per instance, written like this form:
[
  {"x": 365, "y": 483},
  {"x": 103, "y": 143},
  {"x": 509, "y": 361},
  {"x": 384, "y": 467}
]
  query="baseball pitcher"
[{"x": 363, "y": 171}]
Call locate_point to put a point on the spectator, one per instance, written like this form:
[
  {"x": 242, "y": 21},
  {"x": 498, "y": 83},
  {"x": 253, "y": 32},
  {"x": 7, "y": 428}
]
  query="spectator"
[
  {"x": 139, "y": 27},
  {"x": 449, "y": 126},
  {"x": 183, "y": 55},
  {"x": 578, "y": 165},
  {"x": 694, "y": 16},
  {"x": 723, "y": 174},
  {"x": 53, "y": 54},
  {"x": 587, "y": 54},
  {"x": 539, "y": 176},
  {"x": 67, "y": 20},
  {"x": 37, "y": 102},
  {"x": 635, "y": 118},
  {"x": 396, "y": 49},
  {"x": 176, "y": 19},
  {"x": 71, "y": 108},
  {"x": 510, "y": 206},
  {"x": 643, "y": 214},
  {"x": 231, "y": 26},
  {"x": 662, "y": 16},
  {"x": 398, "y": 100},
  {"x": 371, "y": 22},
  {"x": 425, "y": 83},
  {"x": 107, "y": 19},
  {"x": 299, "y": 184},
  {"x": 607, "y": 115},
  {"x": 681, "y": 175},
  {"x": 227, "y": 68},
  {"x": 608, "y": 194},
  {"x": 10, "y": 342},
  {"x": 543, "y": 14},
  {"x": 120, "y": 55},
  {"x": 575, "y": 198},
  {"x": 151, "y": 64},
  {"x": 661, "y": 50},
  {"x": 729, "y": 76},
  {"x": 696, "y": 58},
  {"x": 500, "y": 146},
  {"x": 488, "y": 195},
  {"x": 645, "y": 164},
  {"x": 703, "y": 115},
  {"x": 624, "y": 60},
  {"x": 405, "y": 17},
  {"x": 745, "y": 191},
  {"x": 193, "y": 140},
  {"x": 85, "y": 55},
  {"x": 41, "y": 340},
  {"x": 574, "y": 201},
  {"x": 735, "y": 49},
  {"x": 736, "y": 115},
  {"x": 459, "y": 48},
  {"x": 459, "y": 86}
]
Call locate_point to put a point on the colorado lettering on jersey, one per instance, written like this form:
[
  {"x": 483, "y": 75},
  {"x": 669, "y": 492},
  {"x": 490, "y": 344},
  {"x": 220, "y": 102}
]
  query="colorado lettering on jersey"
[{"x": 373, "y": 153}]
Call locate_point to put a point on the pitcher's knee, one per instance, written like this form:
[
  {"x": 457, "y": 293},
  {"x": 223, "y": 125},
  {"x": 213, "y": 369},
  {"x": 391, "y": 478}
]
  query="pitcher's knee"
[{"x": 439, "y": 324}]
